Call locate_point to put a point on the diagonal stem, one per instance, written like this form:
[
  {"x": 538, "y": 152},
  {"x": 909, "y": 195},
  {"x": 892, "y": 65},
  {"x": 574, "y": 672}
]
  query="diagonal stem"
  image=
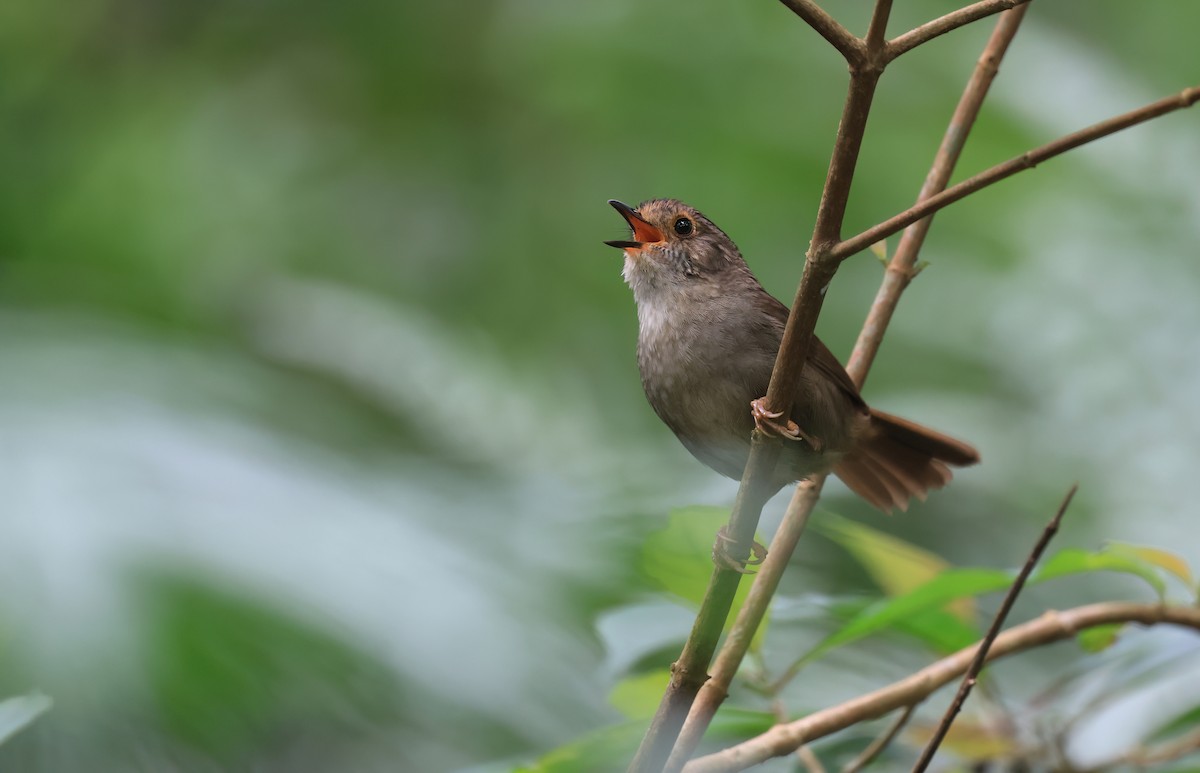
[
  {"x": 1028, "y": 160},
  {"x": 969, "y": 679},
  {"x": 879, "y": 744},
  {"x": 901, "y": 266},
  {"x": 948, "y": 23},
  {"x": 1049, "y": 628},
  {"x": 839, "y": 37}
]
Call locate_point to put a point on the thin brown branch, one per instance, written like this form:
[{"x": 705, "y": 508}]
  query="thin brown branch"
[
  {"x": 948, "y": 23},
  {"x": 1029, "y": 160},
  {"x": 1138, "y": 757},
  {"x": 969, "y": 679},
  {"x": 879, "y": 744},
  {"x": 852, "y": 48},
  {"x": 902, "y": 265},
  {"x": 825, "y": 252},
  {"x": 808, "y": 758},
  {"x": 766, "y": 581},
  {"x": 1051, "y": 627},
  {"x": 1166, "y": 752},
  {"x": 805, "y": 755},
  {"x": 878, "y": 27},
  {"x": 689, "y": 672},
  {"x": 820, "y": 267}
]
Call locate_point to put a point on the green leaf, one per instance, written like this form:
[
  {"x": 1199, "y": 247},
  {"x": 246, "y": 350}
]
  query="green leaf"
[
  {"x": 227, "y": 670},
  {"x": 968, "y": 739},
  {"x": 897, "y": 566},
  {"x": 1169, "y": 562},
  {"x": 679, "y": 558},
  {"x": 16, "y": 713},
  {"x": 734, "y": 724},
  {"x": 1180, "y": 723},
  {"x": 938, "y": 629},
  {"x": 1076, "y": 561},
  {"x": 610, "y": 748},
  {"x": 941, "y": 631},
  {"x": 637, "y": 697},
  {"x": 600, "y": 751},
  {"x": 959, "y": 583},
  {"x": 946, "y": 587},
  {"x": 1100, "y": 637}
]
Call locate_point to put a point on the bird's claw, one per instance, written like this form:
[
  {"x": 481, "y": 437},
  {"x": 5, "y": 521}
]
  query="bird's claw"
[
  {"x": 722, "y": 557},
  {"x": 765, "y": 422}
]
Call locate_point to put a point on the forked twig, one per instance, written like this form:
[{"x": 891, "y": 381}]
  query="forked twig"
[
  {"x": 1028, "y": 160},
  {"x": 896, "y": 279},
  {"x": 1141, "y": 757},
  {"x": 1051, "y": 627},
  {"x": 901, "y": 266},
  {"x": 879, "y": 744},
  {"x": 827, "y": 27},
  {"x": 825, "y": 252},
  {"x": 810, "y": 761},
  {"x": 948, "y": 23},
  {"x": 968, "y": 682},
  {"x": 689, "y": 672}
]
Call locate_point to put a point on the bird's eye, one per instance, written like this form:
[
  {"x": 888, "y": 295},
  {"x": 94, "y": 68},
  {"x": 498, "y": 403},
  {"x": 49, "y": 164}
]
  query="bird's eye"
[{"x": 683, "y": 226}]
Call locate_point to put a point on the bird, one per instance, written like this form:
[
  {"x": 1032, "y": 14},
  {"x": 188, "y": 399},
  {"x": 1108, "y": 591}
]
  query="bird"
[{"x": 708, "y": 334}]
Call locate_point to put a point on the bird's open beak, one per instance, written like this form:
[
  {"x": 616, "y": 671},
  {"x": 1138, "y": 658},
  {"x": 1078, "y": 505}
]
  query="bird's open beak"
[{"x": 643, "y": 232}]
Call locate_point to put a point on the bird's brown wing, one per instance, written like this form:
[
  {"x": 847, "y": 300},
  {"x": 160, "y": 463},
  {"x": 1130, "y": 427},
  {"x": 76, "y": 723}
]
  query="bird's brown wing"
[
  {"x": 819, "y": 355},
  {"x": 824, "y": 360}
]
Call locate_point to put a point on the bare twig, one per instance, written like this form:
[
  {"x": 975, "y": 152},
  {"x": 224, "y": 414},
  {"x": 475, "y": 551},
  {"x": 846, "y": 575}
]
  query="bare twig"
[
  {"x": 948, "y": 23},
  {"x": 689, "y": 672},
  {"x": 827, "y": 27},
  {"x": 878, "y": 27},
  {"x": 1050, "y": 627},
  {"x": 1029, "y": 160},
  {"x": 808, "y": 758},
  {"x": 896, "y": 279},
  {"x": 824, "y": 255},
  {"x": 879, "y": 744},
  {"x": 968, "y": 682},
  {"x": 1174, "y": 749},
  {"x": 901, "y": 266},
  {"x": 1139, "y": 757},
  {"x": 820, "y": 266}
]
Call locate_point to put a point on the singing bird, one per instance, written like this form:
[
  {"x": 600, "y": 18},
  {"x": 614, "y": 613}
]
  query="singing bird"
[{"x": 708, "y": 334}]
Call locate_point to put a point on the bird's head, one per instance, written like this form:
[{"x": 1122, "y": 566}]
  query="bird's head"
[{"x": 672, "y": 246}]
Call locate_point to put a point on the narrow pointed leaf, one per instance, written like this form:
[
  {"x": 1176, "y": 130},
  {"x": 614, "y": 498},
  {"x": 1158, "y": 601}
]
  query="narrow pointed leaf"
[{"x": 897, "y": 566}]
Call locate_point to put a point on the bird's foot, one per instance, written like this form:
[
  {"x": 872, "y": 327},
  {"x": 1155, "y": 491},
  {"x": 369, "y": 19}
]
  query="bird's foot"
[
  {"x": 766, "y": 422},
  {"x": 721, "y": 553}
]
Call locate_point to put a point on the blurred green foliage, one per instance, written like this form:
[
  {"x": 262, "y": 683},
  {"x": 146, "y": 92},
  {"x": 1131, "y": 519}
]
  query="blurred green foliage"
[
  {"x": 228, "y": 674},
  {"x": 321, "y": 440}
]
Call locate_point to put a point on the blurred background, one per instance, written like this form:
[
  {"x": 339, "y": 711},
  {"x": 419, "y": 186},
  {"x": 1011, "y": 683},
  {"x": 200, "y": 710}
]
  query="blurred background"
[{"x": 322, "y": 445}]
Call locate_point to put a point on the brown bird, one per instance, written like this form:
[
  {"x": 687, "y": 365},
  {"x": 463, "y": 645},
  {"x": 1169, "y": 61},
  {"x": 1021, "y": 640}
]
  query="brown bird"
[{"x": 708, "y": 334}]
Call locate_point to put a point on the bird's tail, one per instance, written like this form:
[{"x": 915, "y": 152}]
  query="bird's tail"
[{"x": 899, "y": 459}]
